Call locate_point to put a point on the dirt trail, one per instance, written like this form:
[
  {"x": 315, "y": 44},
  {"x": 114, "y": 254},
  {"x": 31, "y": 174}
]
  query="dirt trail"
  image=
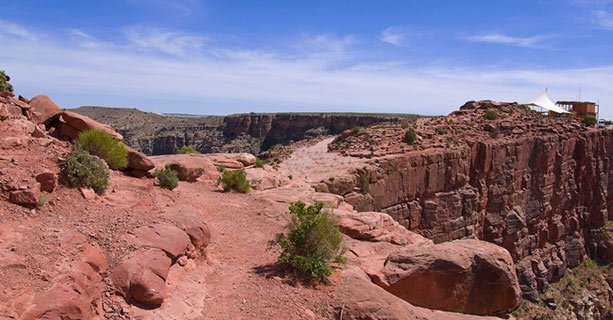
[{"x": 314, "y": 163}]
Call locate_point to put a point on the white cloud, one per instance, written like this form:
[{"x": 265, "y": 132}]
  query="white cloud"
[
  {"x": 222, "y": 80},
  {"x": 535, "y": 42},
  {"x": 178, "y": 7},
  {"x": 393, "y": 36},
  {"x": 170, "y": 42},
  {"x": 603, "y": 19},
  {"x": 13, "y": 30}
]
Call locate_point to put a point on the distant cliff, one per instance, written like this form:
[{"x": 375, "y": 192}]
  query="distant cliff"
[{"x": 156, "y": 134}]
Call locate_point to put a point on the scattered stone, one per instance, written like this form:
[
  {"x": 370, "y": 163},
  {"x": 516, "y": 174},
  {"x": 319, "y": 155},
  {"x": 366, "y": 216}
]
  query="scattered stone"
[{"x": 47, "y": 180}]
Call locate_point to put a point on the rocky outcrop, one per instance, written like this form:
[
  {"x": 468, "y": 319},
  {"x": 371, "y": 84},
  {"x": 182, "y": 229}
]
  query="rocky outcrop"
[
  {"x": 541, "y": 188},
  {"x": 42, "y": 108},
  {"x": 466, "y": 276}
]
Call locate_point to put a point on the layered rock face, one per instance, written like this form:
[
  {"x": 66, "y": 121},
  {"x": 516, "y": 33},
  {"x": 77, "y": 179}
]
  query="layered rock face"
[
  {"x": 156, "y": 134},
  {"x": 539, "y": 188}
]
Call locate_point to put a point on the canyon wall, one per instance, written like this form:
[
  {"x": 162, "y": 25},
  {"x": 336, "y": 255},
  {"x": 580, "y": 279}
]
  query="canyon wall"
[
  {"x": 544, "y": 198},
  {"x": 156, "y": 134}
]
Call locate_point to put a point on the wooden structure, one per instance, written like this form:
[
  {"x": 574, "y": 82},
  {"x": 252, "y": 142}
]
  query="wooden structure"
[{"x": 580, "y": 109}]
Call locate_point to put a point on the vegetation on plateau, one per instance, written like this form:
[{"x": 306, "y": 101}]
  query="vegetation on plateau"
[
  {"x": 186, "y": 150},
  {"x": 313, "y": 241},
  {"x": 234, "y": 180},
  {"x": 83, "y": 170},
  {"x": 167, "y": 178},
  {"x": 105, "y": 146}
]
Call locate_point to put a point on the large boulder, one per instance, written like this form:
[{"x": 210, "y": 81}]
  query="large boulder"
[
  {"x": 467, "y": 276},
  {"x": 189, "y": 167},
  {"x": 164, "y": 236},
  {"x": 358, "y": 298},
  {"x": 376, "y": 226},
  {"x": 138, "y": 161},
  {"x": 190, "y": 220},
  {"x": 69, "y": 124},
  {"x": 43, "y": 108},
  {"x": 142, "y": 275}
]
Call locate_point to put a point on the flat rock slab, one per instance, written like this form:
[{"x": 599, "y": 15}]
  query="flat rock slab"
[{"x": 191, "y": 221}]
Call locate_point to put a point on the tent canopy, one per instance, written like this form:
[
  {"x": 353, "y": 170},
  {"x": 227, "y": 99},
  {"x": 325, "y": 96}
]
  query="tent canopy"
[{"x": 544, "y": 102}]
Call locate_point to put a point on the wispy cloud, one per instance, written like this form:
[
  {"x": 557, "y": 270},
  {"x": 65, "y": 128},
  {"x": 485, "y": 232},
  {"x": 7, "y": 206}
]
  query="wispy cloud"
[
  {"x": 603, "y": 19},
  {"x": 178, "y": 7},
  {"x": 394, "y": 36},
  {"x": 169, "y": 42},
  {"x": 16, "y": 31},
  {"x": 535, "y": 42},
  {"x": 224, "y": 80}
]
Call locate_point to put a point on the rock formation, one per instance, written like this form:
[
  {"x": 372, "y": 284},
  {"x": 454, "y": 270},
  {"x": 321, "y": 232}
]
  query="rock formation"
[{"x": 539, "y": 187}]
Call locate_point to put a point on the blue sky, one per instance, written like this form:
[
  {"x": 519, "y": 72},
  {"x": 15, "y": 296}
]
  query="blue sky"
[{"x": 220, "y": 57}]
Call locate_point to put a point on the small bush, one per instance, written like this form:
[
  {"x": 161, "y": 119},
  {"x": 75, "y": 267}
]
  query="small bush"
[
  {"x": 410, "y": 136},
  {"x": 312, "y": 242},
  {"x": 439, "y": 131},
  {"x": 167, "y": 178},
  {"x": 235, "y": 180},
  {"x": 363, "y": 182},
  {"x": 84, "y": 170},
  {"x": 357, "y": 129},
  {"x": 404, "y": 125},
  {"x": 491, "y": 115},
  {"x": 186, "y": 150},
  {"x": 42, "y": 201},
  {"x": 105, "y": 146},
  {"x": 259, "y": 163},
  {"x": 589, "y": 121},
  {"x": 4, "y": 82}
]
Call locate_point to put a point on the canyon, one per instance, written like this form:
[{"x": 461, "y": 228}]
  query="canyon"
[{"x": 456, "y": 217}]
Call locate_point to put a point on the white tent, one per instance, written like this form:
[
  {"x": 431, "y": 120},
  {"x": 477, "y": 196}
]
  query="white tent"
[{"x": 544, "y": 102}]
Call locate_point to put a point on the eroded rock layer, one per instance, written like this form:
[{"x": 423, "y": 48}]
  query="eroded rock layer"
[{"x": 538, "y": 187}]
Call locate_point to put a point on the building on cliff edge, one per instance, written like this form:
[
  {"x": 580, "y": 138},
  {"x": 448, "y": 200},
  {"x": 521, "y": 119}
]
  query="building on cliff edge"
[{"x": 577, "y": 109}]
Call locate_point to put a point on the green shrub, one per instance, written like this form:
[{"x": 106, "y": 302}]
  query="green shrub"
[
  {"x": 363, "y": 182},
  {"x": 42, "y": 201},
  {"x": 357, "y": 129},
  {"x": 439, "y": 131},
  {"x": 4, "y": 82},
  {"x": 83, "y": 170},
  {"x": 491, "y": 115},
  {"x": 410, "y": 136},
  {"x": 186, "y": 150},
  {"x": 312, "y": 242},
  {"x": 235, "y": 180},
  {"x": 105, "y": 146},
  {"x": 167, "y": 178},
  {"x": 259, "y": 163},
  {"x": 404, "y": 125},
  {"x": 589, "y": 121}
]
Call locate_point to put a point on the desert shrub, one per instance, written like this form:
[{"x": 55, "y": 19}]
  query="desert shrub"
[
  {"x": 404, "y": 125},
  {"x": 259, "y": 163},
  {"x": 589, "y": 121},
  {"x": 235, "y": 180},
  {"x": 410, "y": 136},
  {"x": 186, "y": 150},
  {"x": 167, "y": 178},
  {"x": 105, "y": 146},
  {"x": 41, "y": 201},
  {"x": 491, "y": 115},
  {"x": 4, "y": 82},
  {"x": 363, "y": 182},
  {"x": 439, "y": 131},
  {"x": 357, "y": 129},
  {"x": 81, "y": 169},
  {"x": 312, "y": 242}
]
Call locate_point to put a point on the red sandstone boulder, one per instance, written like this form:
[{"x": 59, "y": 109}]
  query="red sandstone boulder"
[
  {"x": 358, "y": 298},
  {"x": 28, "y": 197},
  {"x": 189, "y": 167},
  {"x": 376, "y": 226},
  {"x": 191, "y": 221},
  {"x": 164, "y": 236},
  {"x": 47, "y": 180},
  {"x": 467, "y": 276},
  {"x": 69, "y": 124},
  {"x": 142, "y": 275},
  {"x": 138, "y": 161},
  {"x": 43, "y": 108}
]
